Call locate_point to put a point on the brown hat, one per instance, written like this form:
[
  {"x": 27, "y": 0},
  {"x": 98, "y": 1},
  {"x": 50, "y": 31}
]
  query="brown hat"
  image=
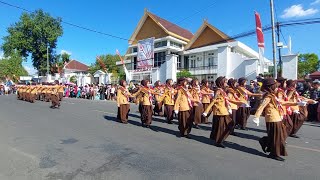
[
  {"x": 290, "y": 83},
  {"x": 219, "y": 81},
  {"x": 268, "y": 82},
  {"x": 242, "y": 80},
  {"x": 281, "y": 79}
]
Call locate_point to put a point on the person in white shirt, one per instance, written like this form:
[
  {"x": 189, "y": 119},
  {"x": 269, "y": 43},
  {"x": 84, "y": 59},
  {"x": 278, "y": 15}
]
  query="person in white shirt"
[{"x": 112, "y": 92}]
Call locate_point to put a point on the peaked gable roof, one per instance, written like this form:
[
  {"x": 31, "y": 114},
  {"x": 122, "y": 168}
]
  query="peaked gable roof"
[
  {"x": 207, "y": 35},
  {"x": 165, "y": 28},
  {"x": 76, "y": 66}
]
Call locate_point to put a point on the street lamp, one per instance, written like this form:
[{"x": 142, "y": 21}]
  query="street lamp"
[{"x": 48, "y": 63}]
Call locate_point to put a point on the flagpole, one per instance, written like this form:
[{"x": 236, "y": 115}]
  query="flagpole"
[{"x": 273, "y": 41}]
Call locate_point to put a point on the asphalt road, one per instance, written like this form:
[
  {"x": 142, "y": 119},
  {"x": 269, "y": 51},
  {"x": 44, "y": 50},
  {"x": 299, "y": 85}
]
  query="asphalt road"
[{"x": 82, "y": 140}]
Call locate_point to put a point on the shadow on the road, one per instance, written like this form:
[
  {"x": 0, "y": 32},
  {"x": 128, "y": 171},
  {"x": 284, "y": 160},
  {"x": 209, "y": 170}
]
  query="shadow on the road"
[
  {"x": 230, "y": 145},
  {"x": 257, "y": 130},
  {"x": 247, "y": 136},
  {"x": 114, "y": 119},
  {"x": 200, "y": 139},
  {"x": 157, "y": 119},
  {"x": 245, "y": 149}
]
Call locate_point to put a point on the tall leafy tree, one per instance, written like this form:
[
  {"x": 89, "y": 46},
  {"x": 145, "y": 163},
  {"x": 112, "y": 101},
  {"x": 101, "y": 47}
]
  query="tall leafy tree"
[
  {"x": 307, "y": 64},
  {"x": 31, "y": 35},
  {"x": 12, "y": 67}
]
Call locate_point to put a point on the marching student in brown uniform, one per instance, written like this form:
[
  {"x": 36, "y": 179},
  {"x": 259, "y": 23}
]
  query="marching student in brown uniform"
[
  {"x": 183, "y": 108},
  {"x": 243, "y": 112},
  {"x": 222, "y": 124},
  {"x": 298, "y": 114},
  {"x": 60, "y": 91},
  {"x": 168, "y": 100},
  {"x": 232, "y": 95},
  {"x": 123, "y": 103},
  {"x": 54, "y": 97},
  {"x": 207, "y": 95},
  {"x": 33, "y": 94},
  {"x": 197, "y": 109},
  {"x": 158, "y": 102},
  {"x": 27, "y": 94},
  {"x": 146, "y": 94},
  {"x": 48, "y": 93},
  {"x": 273, "y": 108},
  {"x": 282, "y": 96}
]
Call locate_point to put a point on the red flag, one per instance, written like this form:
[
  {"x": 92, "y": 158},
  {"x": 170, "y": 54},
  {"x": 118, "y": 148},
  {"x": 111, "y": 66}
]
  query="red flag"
[{"x": 259, "y": 31}]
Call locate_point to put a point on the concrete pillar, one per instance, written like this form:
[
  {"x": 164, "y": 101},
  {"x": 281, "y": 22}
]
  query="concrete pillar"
[
  {"x": 171, "y": 67},
  {"x": 290, "y": 66}
]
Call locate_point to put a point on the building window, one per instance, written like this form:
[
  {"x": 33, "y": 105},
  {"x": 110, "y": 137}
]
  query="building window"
[
  {"x": 210, "y": 59},
  {"x": 134, "y": 49},
  {"x": 174, "y": 44},
  {"x": 179, "y": 62},
  {"x": 159, "y": 58},
  {"x": 160, "y": 44},
  {"x": 192, "y": 61},
  {"x": 134, "y": 62}
]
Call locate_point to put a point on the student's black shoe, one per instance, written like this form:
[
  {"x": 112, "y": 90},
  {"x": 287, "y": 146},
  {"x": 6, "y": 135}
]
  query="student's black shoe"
[{"x": 219, "y": 145}]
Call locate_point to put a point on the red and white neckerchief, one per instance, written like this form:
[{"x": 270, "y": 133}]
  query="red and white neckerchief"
[
  {"x": 171, "y": 90},
  {"x": 236, "y": 97},
  {"x": 226, "y": 98},
  {"x": 199, "y": 92},
  {"x": 246, "y": 97},
  {"x": 148, "y": 89},
  {"x": 296, "y": 93},
  {"x": 278, "y": 105},
  {"x": 124, "y": 92},
  {"x": 189, "y": 97},
  {"x": 288, "y": 108}
]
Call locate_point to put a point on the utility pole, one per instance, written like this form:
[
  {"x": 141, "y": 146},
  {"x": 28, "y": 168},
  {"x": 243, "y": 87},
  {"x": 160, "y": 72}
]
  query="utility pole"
[
  {"x": 273, "y": 41},
  {"x": 47, "y": 62},
  {"x": 279, "y": 48}
]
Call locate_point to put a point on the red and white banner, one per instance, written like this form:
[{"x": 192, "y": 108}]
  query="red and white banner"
[
  {"x": 260, "y": 39},
  {"x": 145, "y": 53}
]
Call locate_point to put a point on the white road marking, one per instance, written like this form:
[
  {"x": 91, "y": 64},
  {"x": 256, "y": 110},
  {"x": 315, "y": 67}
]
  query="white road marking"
[{"x": 24, "y": 154}]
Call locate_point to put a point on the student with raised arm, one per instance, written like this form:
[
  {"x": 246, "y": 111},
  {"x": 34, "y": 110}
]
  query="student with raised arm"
[{"x": 274, "y": 142}]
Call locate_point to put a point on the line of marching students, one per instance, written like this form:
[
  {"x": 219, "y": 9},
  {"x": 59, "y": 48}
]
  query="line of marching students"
[
  {"x": 43, "y": 92},
  {"x": 284, "y": 110}
]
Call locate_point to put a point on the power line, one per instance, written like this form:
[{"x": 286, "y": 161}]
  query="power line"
[{"x": 68, "y": 23}]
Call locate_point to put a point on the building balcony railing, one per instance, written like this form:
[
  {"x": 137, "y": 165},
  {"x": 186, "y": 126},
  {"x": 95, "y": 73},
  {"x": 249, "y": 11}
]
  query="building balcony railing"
[{"x": 210, "y": 67}]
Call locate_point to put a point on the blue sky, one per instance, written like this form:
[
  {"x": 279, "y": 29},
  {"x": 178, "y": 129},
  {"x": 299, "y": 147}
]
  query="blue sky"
[{"x": 121, "y": 17}]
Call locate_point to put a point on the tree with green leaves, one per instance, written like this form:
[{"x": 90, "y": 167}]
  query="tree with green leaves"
[
  {"x": 31, "y": 36},
  {"x": 307, "y": 64},
  {"x": 184, "y": 73},
  {"x": 108, "y": 61},
  {"x": 12, "y": 67}
]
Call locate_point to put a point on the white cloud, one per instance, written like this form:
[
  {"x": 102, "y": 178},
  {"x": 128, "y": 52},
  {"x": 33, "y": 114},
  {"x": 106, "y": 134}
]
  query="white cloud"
[
  {"x": 65, "y": 51},
  {"x": 298, "y": 11},
  {"x": 30, "y": 70},
  {"x": 315, "y": 2}
]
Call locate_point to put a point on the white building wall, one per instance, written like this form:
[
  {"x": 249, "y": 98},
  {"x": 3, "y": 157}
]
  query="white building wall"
[
  {"x": 290, "y": 66},
  {"x": 251, "y": 69},
  {"x": 170, "y": 67},
  {"x": 236, "y": 66},
  {"x": 223, "y": 61}
]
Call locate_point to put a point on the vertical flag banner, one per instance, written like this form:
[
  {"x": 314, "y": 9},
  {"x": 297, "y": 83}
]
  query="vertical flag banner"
[
  {"x": 145, "y": 53},
  {"x": 128, "y": 75},
  {"x": 260, "y": 39}
]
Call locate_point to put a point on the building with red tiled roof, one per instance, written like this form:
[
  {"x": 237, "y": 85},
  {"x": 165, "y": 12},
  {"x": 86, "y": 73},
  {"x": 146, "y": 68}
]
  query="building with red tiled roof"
[
  {"x": 159, "y": 49},
  {"x": 76, "y": 66},
  {"x": 315, "y": 75}
]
